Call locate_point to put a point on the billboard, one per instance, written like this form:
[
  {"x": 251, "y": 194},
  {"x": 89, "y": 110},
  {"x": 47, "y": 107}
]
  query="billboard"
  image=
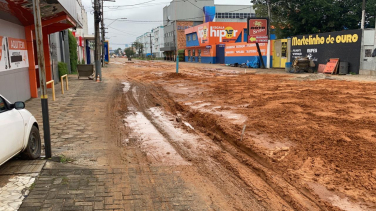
[
  {"x": 258, "y": 30},
  {"x": 13, "y": 54},
  {"x": 345, "y": 45},
  {"x": 213, "y": 33},
  {"x": 106, "y": 52}
]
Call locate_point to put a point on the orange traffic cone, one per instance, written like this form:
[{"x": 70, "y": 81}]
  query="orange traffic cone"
[{"x": 98, "y": 79}]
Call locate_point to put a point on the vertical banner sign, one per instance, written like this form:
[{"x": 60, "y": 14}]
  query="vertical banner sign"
[
  {"x": 106, "y": 52},
  {"x": 13, "y": 54},
  {"x": 258, "y": 30}
]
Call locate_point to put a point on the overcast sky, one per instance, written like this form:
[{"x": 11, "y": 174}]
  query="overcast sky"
[{"x": 125, "y": 32}]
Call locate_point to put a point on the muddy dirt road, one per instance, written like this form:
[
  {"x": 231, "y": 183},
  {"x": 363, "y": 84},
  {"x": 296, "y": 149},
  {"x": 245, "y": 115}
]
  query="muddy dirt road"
[{"x": 252, "y": 141}]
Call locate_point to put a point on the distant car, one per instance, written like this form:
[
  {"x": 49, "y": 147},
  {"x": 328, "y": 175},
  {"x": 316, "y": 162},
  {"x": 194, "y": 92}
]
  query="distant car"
[{"x": 19, "y": 132}]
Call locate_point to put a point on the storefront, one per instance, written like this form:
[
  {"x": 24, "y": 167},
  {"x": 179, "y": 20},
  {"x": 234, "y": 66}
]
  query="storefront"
[
  {"x": 19, "y": 74},
  {"x": 345, "y": 45},
  {"x": 220, "y": 42}
]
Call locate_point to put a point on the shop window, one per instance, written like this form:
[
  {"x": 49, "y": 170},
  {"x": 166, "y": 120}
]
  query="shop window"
[
  {"x": 194, "y": 37},
  {"x": 188, "y": 37},
  {"x": 368, "y": 53}
]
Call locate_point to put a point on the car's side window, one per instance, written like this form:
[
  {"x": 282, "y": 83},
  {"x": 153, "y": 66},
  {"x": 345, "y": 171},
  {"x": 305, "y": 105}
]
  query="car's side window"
[{"x": 3, "y": 105}]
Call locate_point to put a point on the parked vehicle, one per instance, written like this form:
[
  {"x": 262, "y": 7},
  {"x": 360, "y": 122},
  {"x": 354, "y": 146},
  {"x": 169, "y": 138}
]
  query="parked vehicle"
[{"x": 19, "y": 132}]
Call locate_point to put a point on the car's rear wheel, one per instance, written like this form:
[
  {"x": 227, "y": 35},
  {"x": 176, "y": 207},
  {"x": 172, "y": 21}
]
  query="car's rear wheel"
[{"x": 33, "y": 148}]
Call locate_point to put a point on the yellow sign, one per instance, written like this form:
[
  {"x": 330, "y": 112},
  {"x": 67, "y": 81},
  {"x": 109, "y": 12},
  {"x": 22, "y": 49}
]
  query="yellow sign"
[{"x": 229, "y": 32}]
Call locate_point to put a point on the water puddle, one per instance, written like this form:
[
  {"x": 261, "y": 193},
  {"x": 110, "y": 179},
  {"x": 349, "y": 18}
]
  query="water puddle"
[
  {"x": 235, "y": 118},
  {"x": 153, "y": 143},
  {"x": 238, "y": 119},
  {"x": 342, "y": 202},
  {"x": 126, "y": 87},
  {"x": 179, "y": 135}
]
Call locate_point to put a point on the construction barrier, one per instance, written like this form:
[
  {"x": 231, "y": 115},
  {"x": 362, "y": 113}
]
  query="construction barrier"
[
  {"x": 53, "y": 88},
  {"x": 62, "y": 82}
]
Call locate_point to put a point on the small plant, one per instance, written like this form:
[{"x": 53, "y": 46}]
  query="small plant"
[
  {"x": 64, "y": 159},
  {"x": 82, "y": 61},
  {"x": 32, "y": 186},
  {"x": 65, "y": 181},
  {"x": 63, "y": 69},
  {"x": 351, "y": 73}
]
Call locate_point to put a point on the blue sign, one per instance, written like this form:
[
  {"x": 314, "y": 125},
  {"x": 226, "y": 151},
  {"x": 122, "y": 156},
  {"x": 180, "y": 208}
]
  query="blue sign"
[
  {"x": 209, "y": 12},
  {"x": 106, "y": 52}
]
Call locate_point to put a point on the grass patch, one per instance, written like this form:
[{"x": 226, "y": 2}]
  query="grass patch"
[
  {"x": 65, "y": 181},
  {"x": 64, "y": 159},
  {"x": 32, "y": 186}
]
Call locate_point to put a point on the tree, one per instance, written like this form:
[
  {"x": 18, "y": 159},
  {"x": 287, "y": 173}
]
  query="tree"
[
  {"x": 139, "y": 47},
  {"x": 72, "y": 51},
  {"x": 118, "y": 51},
  {"x": 129, "y": 52},
  {"x": 293, "y": 17}
]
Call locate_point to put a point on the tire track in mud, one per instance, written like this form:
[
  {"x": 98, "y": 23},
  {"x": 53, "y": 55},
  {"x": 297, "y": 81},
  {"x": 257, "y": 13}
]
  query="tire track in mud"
[
  {"x": 297, "y": 198},
  {"x": 142, "y": 101}
]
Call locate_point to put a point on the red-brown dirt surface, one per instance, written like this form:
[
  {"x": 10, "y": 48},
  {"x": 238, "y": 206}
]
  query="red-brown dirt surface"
[{"x": 313, "y": 139}]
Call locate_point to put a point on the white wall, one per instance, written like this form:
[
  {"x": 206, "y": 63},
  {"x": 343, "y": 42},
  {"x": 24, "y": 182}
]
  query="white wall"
[
  {"x": 14, "y": 84},
  {"x": 158, "y": 41}
]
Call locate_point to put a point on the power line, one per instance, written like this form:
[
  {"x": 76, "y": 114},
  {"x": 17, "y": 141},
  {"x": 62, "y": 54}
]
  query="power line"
[
  {"x": 122, "y": 31},
  {"x": 157, "y": 21},
  {"x": 139, "y": 21},
  {"x": 130, "y": 5},
  {"x": 135, "y": 7},
  {"x": 213, "y": 14},
  {"x": 194, "y": 5}
]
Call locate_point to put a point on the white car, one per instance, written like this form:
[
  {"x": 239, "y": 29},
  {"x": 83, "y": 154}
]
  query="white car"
[{"x": 19, "y": 132}]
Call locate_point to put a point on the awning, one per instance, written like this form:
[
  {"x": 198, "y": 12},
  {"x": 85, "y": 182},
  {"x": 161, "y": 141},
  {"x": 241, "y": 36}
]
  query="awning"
[{"x": 50, "y": 9}]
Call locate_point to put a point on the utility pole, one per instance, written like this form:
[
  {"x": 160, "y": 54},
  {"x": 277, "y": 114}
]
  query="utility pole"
[
  {"x": 176, "y": 47},
  {"x": 268, "y": 47},
  {"x": 177, "y": 40},
  {"x": 42, "y": 77},
  {"x": 363, "y": 14},
  {"x": 97, "y": 20},
  {"x": 103, "y": 34}
]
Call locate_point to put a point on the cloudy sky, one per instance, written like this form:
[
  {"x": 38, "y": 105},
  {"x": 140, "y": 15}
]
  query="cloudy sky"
[{"x": 125, "y": 32}]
